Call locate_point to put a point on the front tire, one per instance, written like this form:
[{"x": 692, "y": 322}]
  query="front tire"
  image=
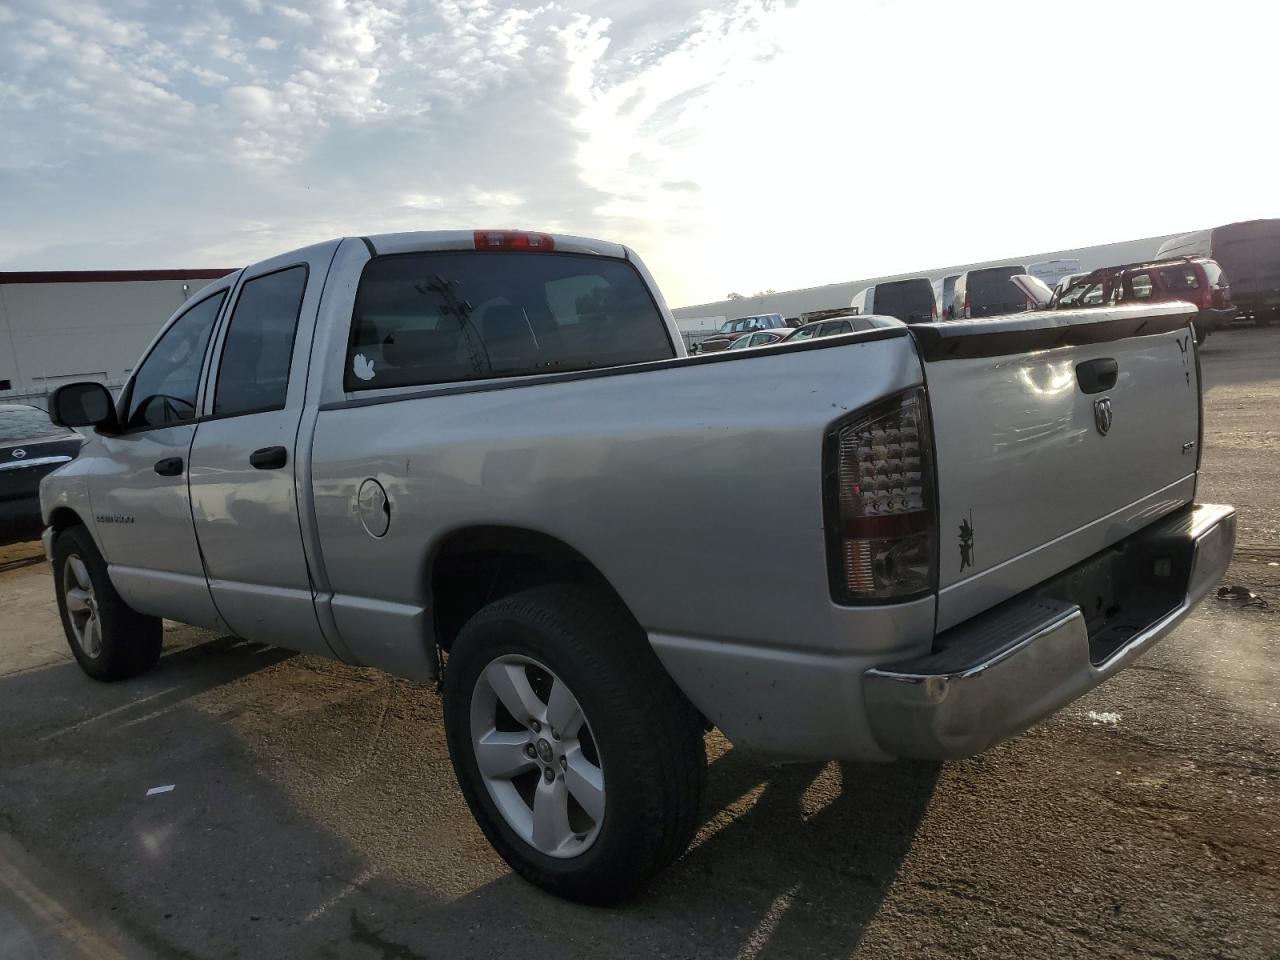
[
  {"x": 109, "y": 639},
  {"x": 579, "y": 758}
]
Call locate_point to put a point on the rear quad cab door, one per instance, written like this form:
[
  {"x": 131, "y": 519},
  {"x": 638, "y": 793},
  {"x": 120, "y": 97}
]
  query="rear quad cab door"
[{"x": 244, "y": 475}]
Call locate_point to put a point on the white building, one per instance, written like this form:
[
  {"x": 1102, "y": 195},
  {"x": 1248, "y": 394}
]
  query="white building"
[
  {"x": 792, "y": 303},
  {"x": 60, "y": 326}
]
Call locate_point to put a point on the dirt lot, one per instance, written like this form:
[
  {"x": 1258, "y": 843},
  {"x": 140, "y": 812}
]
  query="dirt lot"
[{"x": 314, "y": 813}]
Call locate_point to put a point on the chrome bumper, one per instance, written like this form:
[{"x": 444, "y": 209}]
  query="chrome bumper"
[{"x": 1014, "y": 666}]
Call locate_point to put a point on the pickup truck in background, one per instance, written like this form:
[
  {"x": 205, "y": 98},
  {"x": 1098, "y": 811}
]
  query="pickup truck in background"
[{"x": 459, "y": 456}]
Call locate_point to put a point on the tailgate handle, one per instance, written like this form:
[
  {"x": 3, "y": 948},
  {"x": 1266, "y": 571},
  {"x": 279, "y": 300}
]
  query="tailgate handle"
[{"x": 1094, "y": 376}]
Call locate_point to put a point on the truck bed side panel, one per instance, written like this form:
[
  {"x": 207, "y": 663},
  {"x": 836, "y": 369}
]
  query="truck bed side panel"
[{"x": 694, "y": 488}]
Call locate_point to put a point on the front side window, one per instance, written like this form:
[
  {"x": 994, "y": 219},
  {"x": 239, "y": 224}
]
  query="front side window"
[
  {"x": 253, "y": 375},
  {"x": 163, "y": 391},
  {"x": 804, "y": 333},
  {"x": 428, "y": 318}
]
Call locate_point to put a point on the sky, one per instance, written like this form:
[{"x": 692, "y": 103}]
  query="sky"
[{"x": 736, "y": 145}]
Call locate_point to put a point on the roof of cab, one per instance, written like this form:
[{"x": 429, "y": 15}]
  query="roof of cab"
[{"x": 421, "y": 241}]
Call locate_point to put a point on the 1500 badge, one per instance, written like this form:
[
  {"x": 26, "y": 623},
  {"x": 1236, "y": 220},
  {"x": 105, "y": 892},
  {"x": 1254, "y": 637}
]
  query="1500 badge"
[{"x": 112, "y": 518}]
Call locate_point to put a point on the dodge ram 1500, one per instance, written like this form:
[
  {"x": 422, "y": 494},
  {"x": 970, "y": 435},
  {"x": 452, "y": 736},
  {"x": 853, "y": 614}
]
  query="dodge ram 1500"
[{"x": 461, "y": 457}]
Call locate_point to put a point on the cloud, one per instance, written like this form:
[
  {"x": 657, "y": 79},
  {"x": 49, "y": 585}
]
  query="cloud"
[
  {"x": 252, "y": 102},
  {"x": 145, "y": 134}
]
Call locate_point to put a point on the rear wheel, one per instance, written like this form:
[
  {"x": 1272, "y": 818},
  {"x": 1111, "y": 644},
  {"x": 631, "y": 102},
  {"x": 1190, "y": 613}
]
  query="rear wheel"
[
  {"x": 579, "y": 758},
  {"x": 109, "y": 639}
]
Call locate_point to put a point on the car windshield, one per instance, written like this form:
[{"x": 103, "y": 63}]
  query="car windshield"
[
  {"x": 19, "y": 423},
  {"x": 1074, "y": 295}
]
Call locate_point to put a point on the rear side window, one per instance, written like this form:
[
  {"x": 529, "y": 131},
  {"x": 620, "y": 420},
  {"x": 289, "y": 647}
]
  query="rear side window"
[
  {"x": 453, "y": 316},
  {"x": 1180, "y": 279},
  {"x": 1141, "y": 285},
  {"x": 254, "y": 373}
]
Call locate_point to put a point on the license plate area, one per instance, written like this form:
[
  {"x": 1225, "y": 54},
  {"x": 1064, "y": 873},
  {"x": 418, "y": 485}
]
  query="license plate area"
[{"x": 1124, "y": 589}]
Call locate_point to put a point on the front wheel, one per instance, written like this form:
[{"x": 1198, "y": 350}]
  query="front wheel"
[
  {"x": 579, "y": 758},
  {"x": 108, "y": 638}
]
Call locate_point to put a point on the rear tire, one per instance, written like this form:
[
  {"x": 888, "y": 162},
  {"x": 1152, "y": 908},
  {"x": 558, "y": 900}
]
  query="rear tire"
[
  {"x": 636, "y": 737},
  {"x": 109, "y": 639}
]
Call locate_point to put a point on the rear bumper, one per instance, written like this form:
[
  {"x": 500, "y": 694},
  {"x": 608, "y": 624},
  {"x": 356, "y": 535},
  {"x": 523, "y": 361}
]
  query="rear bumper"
[
  {"x": 998, "y": 674},
  {"x": 1209, "y": 319}
]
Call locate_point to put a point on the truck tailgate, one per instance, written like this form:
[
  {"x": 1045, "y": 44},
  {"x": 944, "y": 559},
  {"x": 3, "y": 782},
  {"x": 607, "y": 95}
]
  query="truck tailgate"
[{"x": 1057, "y": 433}]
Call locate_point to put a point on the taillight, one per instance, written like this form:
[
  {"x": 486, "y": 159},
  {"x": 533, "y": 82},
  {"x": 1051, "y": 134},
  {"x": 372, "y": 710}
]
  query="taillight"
[
  {"x": 513, "y": 240},
  {"x": 881, "y": 536}
]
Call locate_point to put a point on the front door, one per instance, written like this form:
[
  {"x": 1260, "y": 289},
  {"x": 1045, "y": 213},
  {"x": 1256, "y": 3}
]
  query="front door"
[
  {"x": 244, "y": 484},
  {"x": 141, "y": 508}
]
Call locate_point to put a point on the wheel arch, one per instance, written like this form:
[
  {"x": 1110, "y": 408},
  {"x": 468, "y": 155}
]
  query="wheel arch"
[
  {"x": 473, "y": 566},
  {"x": 64, "y": 517}
]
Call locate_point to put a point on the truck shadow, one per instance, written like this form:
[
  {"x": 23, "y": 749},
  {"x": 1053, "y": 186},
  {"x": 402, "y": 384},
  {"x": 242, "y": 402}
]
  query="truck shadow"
[
  {"x": 315, "y": 815},
  {"x": 792, "y": 861}
]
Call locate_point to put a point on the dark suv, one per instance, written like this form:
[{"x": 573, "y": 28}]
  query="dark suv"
[{"x": 1198, "y": 280}]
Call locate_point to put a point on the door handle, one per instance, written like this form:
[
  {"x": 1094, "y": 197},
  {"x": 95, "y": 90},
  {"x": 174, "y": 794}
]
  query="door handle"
[
  {"x": 269, "y": 458},
  {"x": 169, "y": 467},
  {"x": 1095, "y": 376}
]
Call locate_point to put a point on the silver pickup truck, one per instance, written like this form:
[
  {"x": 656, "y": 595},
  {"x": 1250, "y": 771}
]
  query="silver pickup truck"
[{"x": 483, "y": 459}]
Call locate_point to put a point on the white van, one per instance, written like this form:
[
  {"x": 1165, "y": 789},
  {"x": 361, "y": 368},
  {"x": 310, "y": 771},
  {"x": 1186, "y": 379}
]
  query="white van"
[{"x": 1049, "y": 272}]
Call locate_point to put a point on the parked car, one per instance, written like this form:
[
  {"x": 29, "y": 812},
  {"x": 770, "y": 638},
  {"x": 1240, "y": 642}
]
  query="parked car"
[
  {"x": 911, "y": 301},
  {"x": 761, "y": 338},
  {"x": 731, "y": 330},
  {"x": 31, "y": 447},
  {"x": 1249, "y": 252},
  {"x": 1196, "y": 280},
  {"x": 459, "y": 456},
  {"x": 988, "y": 292},
  {"x": 834, "y": 326}
]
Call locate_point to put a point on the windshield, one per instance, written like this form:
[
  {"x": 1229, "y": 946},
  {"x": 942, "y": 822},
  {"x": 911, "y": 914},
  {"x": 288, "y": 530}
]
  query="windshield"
[{"x": 19, "y": 423}]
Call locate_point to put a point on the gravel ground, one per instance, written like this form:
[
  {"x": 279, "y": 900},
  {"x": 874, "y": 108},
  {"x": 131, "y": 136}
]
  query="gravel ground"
[{"x": 314, "y": 813}]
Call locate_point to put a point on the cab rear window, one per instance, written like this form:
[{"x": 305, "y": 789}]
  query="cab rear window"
[{"x": 446, "y": 317}]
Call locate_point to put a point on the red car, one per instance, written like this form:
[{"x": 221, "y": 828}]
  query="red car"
[{"x": 1197, "y": 280}]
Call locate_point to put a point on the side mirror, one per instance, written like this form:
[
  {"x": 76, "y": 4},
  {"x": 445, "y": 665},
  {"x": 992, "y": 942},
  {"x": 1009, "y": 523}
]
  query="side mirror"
[{"x": 82, "y": 405}]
